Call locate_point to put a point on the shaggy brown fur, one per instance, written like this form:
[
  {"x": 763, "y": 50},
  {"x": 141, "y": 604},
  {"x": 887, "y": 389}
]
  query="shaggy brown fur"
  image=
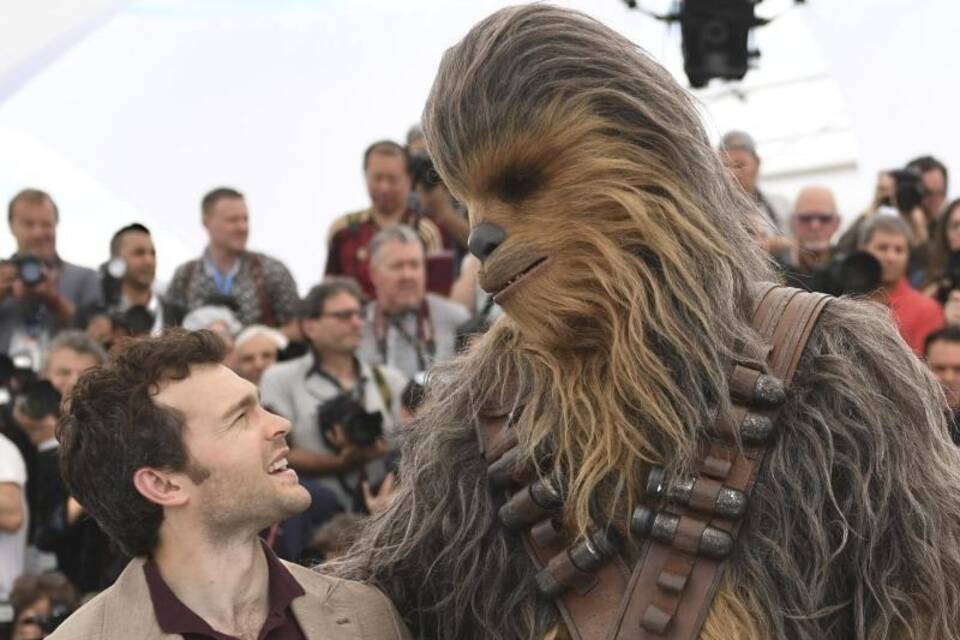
[{"x": 586, "y": 152}]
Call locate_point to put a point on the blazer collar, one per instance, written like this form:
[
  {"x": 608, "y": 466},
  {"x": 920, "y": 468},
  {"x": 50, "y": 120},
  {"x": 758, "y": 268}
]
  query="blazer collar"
[{"x": 129, "y": 610}]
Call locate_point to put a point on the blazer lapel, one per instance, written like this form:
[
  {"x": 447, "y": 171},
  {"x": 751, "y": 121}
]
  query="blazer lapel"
[
  {"x": 319, "y": 621},
  {"x": 128, "y": 612}
]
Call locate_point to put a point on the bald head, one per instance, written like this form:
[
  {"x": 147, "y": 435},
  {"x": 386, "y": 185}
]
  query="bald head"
[
  {"x": 815, "y": 219},
  {"x": 815, "y": 200}
]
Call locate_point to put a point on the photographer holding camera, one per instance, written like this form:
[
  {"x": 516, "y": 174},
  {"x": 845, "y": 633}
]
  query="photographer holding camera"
[
  {"x": 943, "y": 281},
  {"x": 128, "y": 281},
  {"x": 389, "y": 174},
  {"x": 39, "y": 292},
  {"x": 899, "y": 192},
  {"x": 332, "y": 398}
]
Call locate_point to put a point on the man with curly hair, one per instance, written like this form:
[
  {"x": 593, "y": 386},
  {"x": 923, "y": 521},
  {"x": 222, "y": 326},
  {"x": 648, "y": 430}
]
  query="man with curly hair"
[{"x": 173, "y": 455}]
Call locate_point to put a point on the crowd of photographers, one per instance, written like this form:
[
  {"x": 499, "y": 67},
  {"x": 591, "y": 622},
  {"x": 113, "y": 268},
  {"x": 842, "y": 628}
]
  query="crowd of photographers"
[
  {"x": 902, "y": 251},
  {"x": 346, "y": 363}
]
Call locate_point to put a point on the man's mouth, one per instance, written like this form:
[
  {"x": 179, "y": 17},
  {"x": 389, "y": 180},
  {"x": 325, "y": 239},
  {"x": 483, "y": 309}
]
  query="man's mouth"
[
  {"x": 498, "y": 292},
  {"x": 281, "y": 466}
]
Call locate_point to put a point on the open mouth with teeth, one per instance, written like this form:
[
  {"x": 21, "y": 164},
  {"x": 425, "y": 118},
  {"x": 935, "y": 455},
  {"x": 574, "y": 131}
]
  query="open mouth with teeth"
[
  {"x": 517, "y": 278},
  {"x": 280, "y": 467}
]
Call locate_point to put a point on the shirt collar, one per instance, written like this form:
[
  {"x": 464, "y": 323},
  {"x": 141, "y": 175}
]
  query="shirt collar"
[
  {"x": 153, "y": 305},
  {"x": 210, "y": 268},
  {"x": 174, "y": 617},
  {"x": 47, "y": 445}
]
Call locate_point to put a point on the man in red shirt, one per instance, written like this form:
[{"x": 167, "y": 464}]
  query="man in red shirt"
[
  {"x": 386, "y": 168},
  {"x": 888, "y": 239}
]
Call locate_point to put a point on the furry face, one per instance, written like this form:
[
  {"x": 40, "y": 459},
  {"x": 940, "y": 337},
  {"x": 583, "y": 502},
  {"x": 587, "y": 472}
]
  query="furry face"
[{"x": 618, "y": 246}]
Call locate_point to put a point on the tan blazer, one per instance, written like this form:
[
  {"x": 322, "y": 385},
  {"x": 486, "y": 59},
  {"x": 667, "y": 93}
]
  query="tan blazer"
[{"x": 331, "y": 609}]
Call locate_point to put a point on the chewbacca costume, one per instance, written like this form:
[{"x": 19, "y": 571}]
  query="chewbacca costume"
[{"x": 634, "y": 345}]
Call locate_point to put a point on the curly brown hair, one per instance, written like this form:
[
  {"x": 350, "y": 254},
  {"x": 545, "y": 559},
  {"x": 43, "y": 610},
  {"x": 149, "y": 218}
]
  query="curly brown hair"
[{"x": 111, "y": 427}]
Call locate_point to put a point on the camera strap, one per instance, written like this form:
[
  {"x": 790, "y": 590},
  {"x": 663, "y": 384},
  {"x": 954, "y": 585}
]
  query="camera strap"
[
  {"x": 259, "y": 282},
  {"x": 423, "y": 343}
]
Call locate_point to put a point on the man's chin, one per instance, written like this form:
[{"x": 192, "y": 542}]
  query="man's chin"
[{"x": 294, "y": 501}]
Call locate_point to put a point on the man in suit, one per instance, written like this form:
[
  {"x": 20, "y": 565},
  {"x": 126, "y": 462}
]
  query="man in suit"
[{"x": 175, "y": 457}]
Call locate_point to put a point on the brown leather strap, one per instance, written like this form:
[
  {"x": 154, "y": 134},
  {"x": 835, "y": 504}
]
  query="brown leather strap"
[
  {"x": 670, "y": 592},
  {"x": 672, "y": 589}
]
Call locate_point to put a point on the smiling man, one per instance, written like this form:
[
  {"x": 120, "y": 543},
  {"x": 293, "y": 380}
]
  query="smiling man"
[{"x": 174, "y": 456}]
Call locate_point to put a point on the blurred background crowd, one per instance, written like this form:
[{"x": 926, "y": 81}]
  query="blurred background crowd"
[
  {"x": 339, "y": 338},
  {"x": 346, "y": 363}
]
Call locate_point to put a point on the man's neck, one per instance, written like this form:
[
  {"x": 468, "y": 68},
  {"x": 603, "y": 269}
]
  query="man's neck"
[
  {"x": 43, "y": 437},
  {"x": 222, "y": 258},
  {"x": 342, "y": 366},
  {"x": 388, "y": 218},
  {"x": 891, "y": 287},
  {"x": 392, "y": 310},
  {"x": 226, "y": 583},
  {"x": 136, "y": 294}
]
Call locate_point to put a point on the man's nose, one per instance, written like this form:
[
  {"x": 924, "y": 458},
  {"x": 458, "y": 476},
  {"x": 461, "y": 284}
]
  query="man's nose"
[{"x": 484, "y": 239}]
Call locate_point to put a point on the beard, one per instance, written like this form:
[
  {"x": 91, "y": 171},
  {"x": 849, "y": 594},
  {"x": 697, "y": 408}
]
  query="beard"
[{"x": 236, "y": 501}]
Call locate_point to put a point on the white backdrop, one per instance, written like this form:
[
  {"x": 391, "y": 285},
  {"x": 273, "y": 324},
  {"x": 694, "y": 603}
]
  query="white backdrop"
[{"x": 131, "y": 111}]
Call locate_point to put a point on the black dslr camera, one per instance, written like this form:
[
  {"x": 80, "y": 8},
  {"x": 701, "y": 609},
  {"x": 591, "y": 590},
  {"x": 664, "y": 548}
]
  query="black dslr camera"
[
  {"x": 909, "y": 190},
  {"x": 361, "y": 428},
  {"x": 29, "y": 269},
  {"x": 421, "y": 166},
  {"x": 857, "y": 273}
]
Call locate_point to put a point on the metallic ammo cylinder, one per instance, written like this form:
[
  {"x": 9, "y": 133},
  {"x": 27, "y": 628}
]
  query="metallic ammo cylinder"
[
  {"x": 730, "y": 503},
  {"x": 591, "y": 552},
  {"x": 662, "y": 527},
  {"x": 531, "y": 504}
]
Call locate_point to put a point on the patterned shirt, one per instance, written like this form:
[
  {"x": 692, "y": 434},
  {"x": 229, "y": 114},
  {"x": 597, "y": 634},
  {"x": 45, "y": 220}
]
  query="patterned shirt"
[
  {"x": 348, "y": 248},
  {"x": 262, "y": 287}
]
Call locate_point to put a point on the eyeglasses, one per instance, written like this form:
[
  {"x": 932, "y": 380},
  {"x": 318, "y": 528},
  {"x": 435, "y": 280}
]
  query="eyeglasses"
[
  {"x": 343, "y": 316},
  {"x": 810, "y": 218}
]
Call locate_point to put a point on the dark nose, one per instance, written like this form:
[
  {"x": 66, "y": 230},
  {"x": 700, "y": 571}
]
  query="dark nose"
[{"x": 484, "y": 239}]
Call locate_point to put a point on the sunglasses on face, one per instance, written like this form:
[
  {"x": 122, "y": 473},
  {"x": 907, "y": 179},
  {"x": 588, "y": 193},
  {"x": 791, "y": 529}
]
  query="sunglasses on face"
[
  {"x": 344, "y": 316},
  {"x": 810, "y": 218}
]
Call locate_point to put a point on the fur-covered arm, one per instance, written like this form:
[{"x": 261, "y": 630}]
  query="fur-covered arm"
[{"x": 854, "y": 528}]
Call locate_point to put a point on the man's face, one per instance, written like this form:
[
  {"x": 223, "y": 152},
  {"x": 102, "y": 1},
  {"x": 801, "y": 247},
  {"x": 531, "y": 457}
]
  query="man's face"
[
  {"x": 137, "y": 250},
  {"x": 254, "y": 356},
  {"x": 953, "y": 230},
  {"x": 814, "y": 221},
  {"x": 340, "y": 326},
  {"x": 399, "y": 276},
  {"x": 744, "y": 166},
  {"x": 227, "y": 224},
  {"x": 934, "y": 192},
  {"x": 943, "y": 358},
  {"x": 64, "y": 368},
  {"x": 388, "y": 182},
  {"x": 892, "y": 251},
  {"x": 240, "y": 450},
  {"x": 35, "y": 228},
  {"x": 37, "y": 429}
]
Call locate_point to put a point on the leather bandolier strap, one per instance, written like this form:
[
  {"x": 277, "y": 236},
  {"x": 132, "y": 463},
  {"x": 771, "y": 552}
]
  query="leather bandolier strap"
[{"x": 669, "y": 592}]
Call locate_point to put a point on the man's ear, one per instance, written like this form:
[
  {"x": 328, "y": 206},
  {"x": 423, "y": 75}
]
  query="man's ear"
[{"x": 159, "y": 487}]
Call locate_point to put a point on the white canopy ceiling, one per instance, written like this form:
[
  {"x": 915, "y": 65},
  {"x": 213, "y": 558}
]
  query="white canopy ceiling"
[{"x": 132, "y": 110}]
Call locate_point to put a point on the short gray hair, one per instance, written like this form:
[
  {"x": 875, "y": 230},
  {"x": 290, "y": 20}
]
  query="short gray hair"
[
  {"x": 885, "y": 223},
  {"x": 397, "y": 233},
  {"x": 255, "y": 330},
  {"x": 78, "y": 342},
  {"x": 207, "y": 316}
]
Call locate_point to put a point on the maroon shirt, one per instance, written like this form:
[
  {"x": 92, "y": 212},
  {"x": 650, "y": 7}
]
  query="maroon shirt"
[
  {"x": 348, "y": 251},
  {"x": 175, "y": 617}
]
